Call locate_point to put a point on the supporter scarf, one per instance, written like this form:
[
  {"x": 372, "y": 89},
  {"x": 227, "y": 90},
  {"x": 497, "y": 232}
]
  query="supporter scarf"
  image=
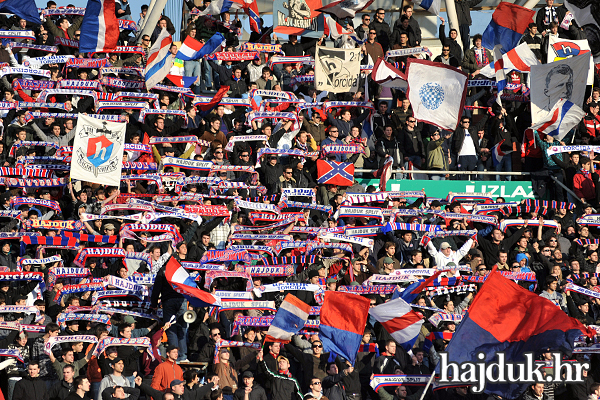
[
  {"x": 371, "y": 289},
  {"x": 122, "y": 83},
  {"x": 196, "y": 165},
  {"x": 145, "y": 280},
  {"x": 380, "y": 381},
  {"x": 398, "y": 226},
  {"x": 113, "y": 341},
  {"x": 26, "y": 104},
  {"x": 151, "y": 178},
  {"x": 10, "y": 214},
  {"x": 99, "y": 252},
  {"x": 248, "y": 305},
  {"x": 442, "y": 290},
  {"x": 37, "y": 114},
  {"x": 549, "y": 204},
  {"x": 40, "y": 47},
  {"x": 17, "y": 202},
  {"x": 257, "y": 206},
  {"x": 263, "y": 322},
  {"x": 492, "y": 220},
  {"x": 249, "y": 248},
  {"x": 43, "y": 261},
  {"x": 151, "y": 111},
  {"x": 233, "y": 56},
  {"x": 26, "y": 84},
  {"x": 140, "y": 165},
  {"x": 165, "y": 228},
  {"x": 79, "y": 92},
  {"x": 119, "y": 105},
  {"x": 15, "y": 353},
  {"x": 119, "y": 207},
  {"x": 342, "y": 149},
  {"x": 588, "y": 292},
  {"x": 365, "y": 231},
  {"x": 232, "y": 343},
  {"x": 270, "y": 271},
  {"x": 33, "y": 328},
  {"x": 164, "y": 237},
  {"x": 225, "y": 101},
  {"x": 356, "y": 198},
  {"x": 125, "y": 312},
  {"x": 290, "y": 60},
  {"x": 261, "y": 47},
  {"x": 24, "y": 71},
  {"x": 22, "y": 309},
  {"x": 63, "y": 318},
  {"x": 583, "y": 242},
  {"x": 585, "y": 275},
  {"x": 208, "y": 211},
  {"x": 79, "y": 288},
  {"x": 194, "y": 180},
  {"x": 257, "y": 116},
  {"x": 226, "y": 295},
  {"x": 79, "y": 84},
  {"x": 196, "y": 266},
  {"x": 406, "y": 52},
  {"x": 50, "y": 167},
  {"x": 63, "y": 242},
  {"x": 32, "y": 183},
  {"x": 182, "y": 197},
  {"x": 128, "y": 71},
  {"x": 343, "y": 238},
  {"x": 22, "y": 276},
  {"x": 92, "y": 217},
  {"x": 59, "y": 41},
  {"x": 288, "y": 286},
  {"x": 212, "y": 275},
  {"x": 301, "y": 79},
  {"x": 124, "y": 284},
  {"x": 225, "y": 256},
  {"x": 64, "y": 11},
  {"x": 439, "y": 234},
  {"x": 296, "y": 244},
  {"x": 101, "y": 294},
  {"x": 283, "y": 152},
  {"x": 244, "y": 138},
  {"x": 358, "y": 212},
  {"x": 520, "y": 276},
  {"x": 288, "y": 260},
  {"x": 174, "y": 89},
  {"x": 153, "y": 216},
  {"x": 316, "y": 246},
  {"x": 13, "y": 326},
  {"x": 124, "y": 303},
  {"x": 390, "y": 278},
  {"x": 68, "y": 339},
  {"x": 360, "y": 104},
  {"x": 468, "y": 197},
  {"x": 264, "y": 238},
  {"x": 57, "y": 224},
  {"x": 505, "y": 224},
  {"x": 17, "y": 34},
  {"x": 567, "y": 149},
  {"x": 295, "y": 204},
  {"x": 590, "y": 219},
  {"x": 61, "y": 272}
]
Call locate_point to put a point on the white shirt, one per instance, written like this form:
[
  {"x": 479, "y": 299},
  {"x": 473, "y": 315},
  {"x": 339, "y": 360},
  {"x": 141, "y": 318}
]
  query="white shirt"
[{"x": 468, "y": 147}]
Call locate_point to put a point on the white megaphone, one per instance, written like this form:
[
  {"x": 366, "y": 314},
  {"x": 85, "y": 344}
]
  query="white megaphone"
[{"x": 189, "y": 316}]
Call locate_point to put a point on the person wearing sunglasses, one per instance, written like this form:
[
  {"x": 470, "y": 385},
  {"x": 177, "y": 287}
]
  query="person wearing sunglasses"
[{"x": 313, "y": 365}]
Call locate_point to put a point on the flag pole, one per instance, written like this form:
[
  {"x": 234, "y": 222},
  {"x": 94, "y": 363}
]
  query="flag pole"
[{"x": 428, "y": 383}]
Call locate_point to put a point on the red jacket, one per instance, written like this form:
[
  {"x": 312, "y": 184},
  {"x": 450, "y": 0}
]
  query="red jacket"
[{"x": 583, "y": 186}]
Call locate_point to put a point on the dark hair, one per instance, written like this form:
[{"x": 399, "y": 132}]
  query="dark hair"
[
  {"x": 69, "y": 366},
  {"x": 189, "y": 375},
  {"x": 51, "y": 327},
  {"x": 476, "y": 37},
  {"x": 584, "y": 160},
  {"x": 123, "y": 326},
  {"x": 77, "y": 380},
  {"x": 216, "y": 394}
]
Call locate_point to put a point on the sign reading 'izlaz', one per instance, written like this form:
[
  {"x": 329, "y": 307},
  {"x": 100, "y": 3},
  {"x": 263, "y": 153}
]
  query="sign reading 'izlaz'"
[{"x": 511, "y": 191}]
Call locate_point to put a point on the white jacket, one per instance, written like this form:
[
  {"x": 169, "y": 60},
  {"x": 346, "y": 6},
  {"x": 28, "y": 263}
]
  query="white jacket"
[{"x": 455, "y": 256}]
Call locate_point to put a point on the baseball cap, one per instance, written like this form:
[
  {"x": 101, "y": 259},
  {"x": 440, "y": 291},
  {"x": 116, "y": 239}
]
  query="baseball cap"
[
  {"x": 175, "y": 382},
  {"x": 115, "y": 361},
  {"x": 171, "y": 348},
  {"x": 128, "y": 318},
  {"x": 388, "y": 260},
  {"x": 445, "y": 245},
  {"x": 110, "y": 226},
  {"x": 331, "y": 280},
  {"x": 248, "y": 374},
  {"x": 436, "y": 203}
]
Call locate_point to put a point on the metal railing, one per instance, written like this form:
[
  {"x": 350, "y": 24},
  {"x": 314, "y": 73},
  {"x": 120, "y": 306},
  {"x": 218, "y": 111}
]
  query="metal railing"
[{"x": 437, "y": 172}]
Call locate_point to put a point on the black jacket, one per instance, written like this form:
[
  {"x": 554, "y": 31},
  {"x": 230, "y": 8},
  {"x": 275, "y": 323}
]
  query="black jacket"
[
  {"x": 133, "y": 393},
  {"x": 463, "y": 10},
  {"x": 455, "y": 48},
  {"x": 282, "y": 387},
  {"x": 30, "y": 389},
  {"x": 257, "y": 393},
  {"x": 162, "y": 288},
  {"x": 384, "y": 33},
  {"x": 60, "y": 390},
  {"x": 459, "y": 138}
]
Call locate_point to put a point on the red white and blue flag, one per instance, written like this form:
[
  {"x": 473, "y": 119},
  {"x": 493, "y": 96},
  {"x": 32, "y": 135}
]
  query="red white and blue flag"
[
  {"x": 335, "y": 173},
  {"x": 401, "y": 322},
  {"x": 509, "y": 22},
  {"x": 504, "y": 317},
  {"x": 25, "y": 9},
  {"x": 160, "y": 60},
  {"x": 333, "y": 29},
  {"x": 344, "y": 8},
  {"x": 182, "y": 81},
  {"x": 498, "y": 154},
  {"x": 343, "y": 321},
  {"x": 288, "y": 321},
  {"x": 100, "y": 28},
  {"x": 189, "y": 49},
  {"x": 182, "y": 283},
  {"x": 563, "y": 117},
  {"x": 433, "y": 6}
]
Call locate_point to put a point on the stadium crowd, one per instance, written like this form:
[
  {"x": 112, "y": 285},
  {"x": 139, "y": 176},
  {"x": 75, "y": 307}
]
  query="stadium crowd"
[{"x": 267, "y": 203}]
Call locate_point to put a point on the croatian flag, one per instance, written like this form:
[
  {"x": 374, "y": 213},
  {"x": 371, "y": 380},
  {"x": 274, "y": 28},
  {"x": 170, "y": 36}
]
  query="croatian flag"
[
  {"x": 401, "y": 322},
  {"x": 433, "y": 6},
  {"x": 563, "y": 117},
  {"x": 213, "y": 45},
  {"x": 343, "y": 321},
  {"x": 160, "y": 60},
  {"x": 498, "y": 154},
  {"x": 333, "y": 29},
  {"x": 504, "y": 317},
  {"x": 288, "y": 321},
  {"x": 25, "y": 9},
  {"x": 520, "y": 58},
  {"x": 182, "y": 283},
  {"x": 189, "y": 49},
  {"x": 101, "y": 32},
  {"x": 507, "y": 26},
  {"x": 345, "y": 9}
]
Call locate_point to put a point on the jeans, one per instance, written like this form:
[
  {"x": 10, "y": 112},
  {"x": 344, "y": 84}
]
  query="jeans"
[
  {"x": 207, "y": 73},
  {"x": 177, "y": 333},
  {"x": 11, "y": 386},
  {"x": 438, "y": 177},
  {"x": 465, "y": 36},
  {"x": 95, "y": 386},
  {"x": 416, "y": 160},
  {"x": 466, "y": 163},
  {"x": 193, "y": 68},
  {"x": 504, "y": 165},
  {"x": 483, "y": 166}
]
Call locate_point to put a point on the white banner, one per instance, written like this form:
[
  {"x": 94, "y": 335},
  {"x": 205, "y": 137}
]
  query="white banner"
[
  {"x": 565, "y": 79},
  {"x": 337, "y": 70},
  {"x": 559, "y": 49},
  {"x": 437, "y": 92},
  {"x": 98, "y": 151}
]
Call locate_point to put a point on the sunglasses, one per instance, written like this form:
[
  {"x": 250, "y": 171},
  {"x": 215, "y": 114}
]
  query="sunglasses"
[
  {"x": 218, "y": 152},
  {"x": 317, "y": 346},
  {"x": 316, "y": 383}
]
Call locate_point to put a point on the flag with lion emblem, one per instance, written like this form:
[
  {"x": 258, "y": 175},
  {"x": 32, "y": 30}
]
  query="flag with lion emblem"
[
  {"x": 98, "y": 150},
  {"x": 337, "y": 70}
]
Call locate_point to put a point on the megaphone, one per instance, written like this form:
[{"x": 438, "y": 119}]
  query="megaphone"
[{"x": 189, "y": 316}]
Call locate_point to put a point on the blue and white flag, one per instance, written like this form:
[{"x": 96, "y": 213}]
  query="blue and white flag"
[{"x": 433, "y": 6}]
